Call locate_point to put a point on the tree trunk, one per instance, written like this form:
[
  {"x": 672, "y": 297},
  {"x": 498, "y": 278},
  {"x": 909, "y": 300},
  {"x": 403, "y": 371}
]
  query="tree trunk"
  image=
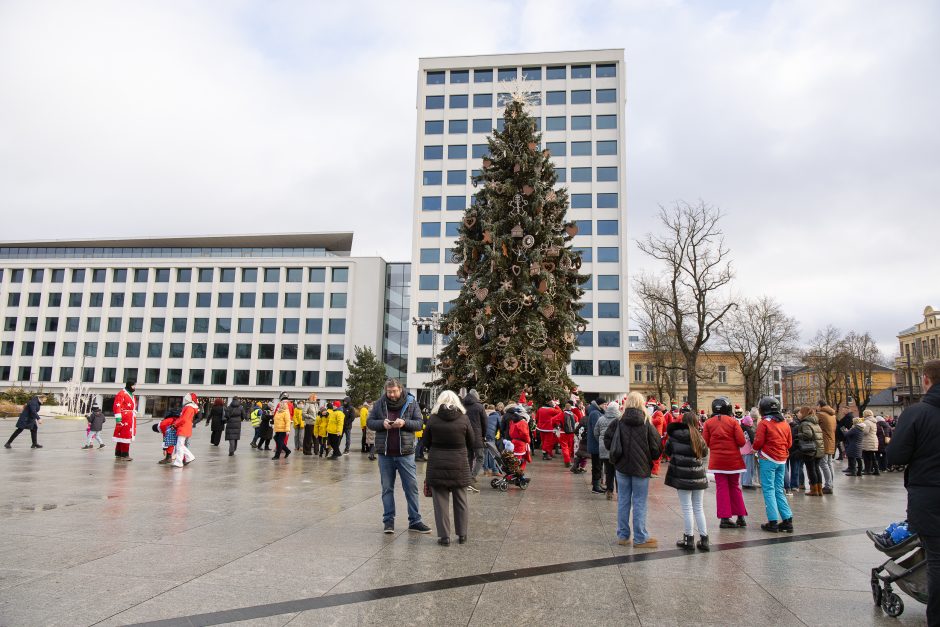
[{"x": 691, "y": 362}]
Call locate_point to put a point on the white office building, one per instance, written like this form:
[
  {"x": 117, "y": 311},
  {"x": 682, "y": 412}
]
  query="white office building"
[
  {"x": 581, "y": 116},
  {"x": 248, "y": 315}
]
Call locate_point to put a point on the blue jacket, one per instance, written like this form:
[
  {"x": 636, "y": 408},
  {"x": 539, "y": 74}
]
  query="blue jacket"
[
  {"x": 29, "y": 415},
  {"x": 594, "y": 414},
  {"x": 492, "y": 424},
  {"x": 413, "y": 422}
]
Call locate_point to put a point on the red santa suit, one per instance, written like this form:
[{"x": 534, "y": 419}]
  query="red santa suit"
[
  {"x": 658, "y": 420},
  {"x": 519, "y": 434},
  {"x": 125, "y": 429},
  {"x": 547, "y": 419}
]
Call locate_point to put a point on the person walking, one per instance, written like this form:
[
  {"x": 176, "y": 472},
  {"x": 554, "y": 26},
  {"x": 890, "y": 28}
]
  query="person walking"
[
  {"x": 234, "y": 415},
  {"x": 611, "y": 415},
  {"x": 724, "y": 438},
  {"x": 595, "y": 411},
  {"x": 349, "y": 415},
  {"x": 96, "y": 422},
  {"x": 637, "y": 445},
  {"x": 255, "y": 418},
  {"x": 216, "y": 421},
  {"x": 476, "y": 414},
  {"x": 687, "y": 451},
  {"x": 813, "y": 449},
  {"x": 29, "y": 420},
  {"x": 125, "y": 417},
  {"x": 449, "y": 438},
  {"x": 182, "y": 456},
  {"x": 915, "y": 444},
  {"x": 826, "y": 416},
  {"x": 548, "y": 420},
  {"x": 493, "y": 418},
  {"x": 870, "y": 442},
  {"x": 283, "y": 417},
  {"x": 395, "y": 418},
  {"x": 884, "y": 436},
  {"x": 772, "y": 443}
]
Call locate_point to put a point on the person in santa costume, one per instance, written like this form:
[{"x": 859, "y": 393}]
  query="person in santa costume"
[
  {"x": 125, "y": 417},
  {"x": 547, "y": 420},
  {"x": 519, "y": 434},
  {"x": 184, "y": 430},
  {"x": 166, "y": 429},
  {"x": 658, "y": 420}
]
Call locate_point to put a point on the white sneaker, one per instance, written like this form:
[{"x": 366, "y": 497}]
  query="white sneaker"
[{"x": 470, "y": 488}]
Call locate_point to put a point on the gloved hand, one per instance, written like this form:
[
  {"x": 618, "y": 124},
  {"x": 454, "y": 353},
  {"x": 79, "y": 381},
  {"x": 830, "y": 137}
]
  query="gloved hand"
[{"x": 117, "y": 418}]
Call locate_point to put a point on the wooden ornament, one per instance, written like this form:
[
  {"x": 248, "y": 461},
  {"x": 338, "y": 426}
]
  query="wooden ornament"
[
  {"x": 503, "y": 341},
  {"x": 532, "y": 146},
  {"x": 469, "y": 221},
  {"x": 482, "y": 293},
  {"x": 527, "y": 300},
  {"x": 480, "y": 331},
  {"x": 488, "y": 310},
  {"x": 548, "y": 354},
  {"x": 527, "y": 190},
  {"x": 549, "y": 266},
  {"x": 551, "y": 196},
  {"x": 517, "y": 231},
  {"x": 552, "y": 251},
  {"x": 487, "y": 237},
  {"x": 548, "y": 311},
  {"x": 515, "y": 269},
  {"x": 510, "y": 363},
  {"x": 505, "y": 251},
  {"x": 509, "y": 309},
  {"x": 487, "y": 163},
  {"x": 543, "y": 286},
  {"x": 571, "y": 229},
  {"x": 546, "y": 153},
  {"x": 516, "y": 168},
  {"x": 535, "y": 268}
]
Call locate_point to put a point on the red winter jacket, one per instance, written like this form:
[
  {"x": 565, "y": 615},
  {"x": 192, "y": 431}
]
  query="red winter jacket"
[
  {"x": 659, "y": 421},
  {"x": 724, "y": 437},
  {"x": 774, "y": 439},
  {"x": 184, "y": 424},
  {"x": 547, "y": 418}
]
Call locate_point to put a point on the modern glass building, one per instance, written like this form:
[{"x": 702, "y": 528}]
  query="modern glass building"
[
  {"x": 581, "y": 116},
  {"x": 246, "y": 315}
]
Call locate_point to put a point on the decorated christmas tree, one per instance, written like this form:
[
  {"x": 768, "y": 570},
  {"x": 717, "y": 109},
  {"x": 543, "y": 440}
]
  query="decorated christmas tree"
[{"x": 515, "y": 322}]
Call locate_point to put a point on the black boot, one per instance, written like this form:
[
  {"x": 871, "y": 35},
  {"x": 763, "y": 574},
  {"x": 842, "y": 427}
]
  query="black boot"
[
  {"x": 786, "y": 525},
  {"x": 703, "y": 543},
  {"x": 771, "y": 526},
  {"x": 687, "y": 543},
  {"x": 596, "y": 488},
  {"x": 741, "y": 522},
  {"x": 727, "y": 524}
]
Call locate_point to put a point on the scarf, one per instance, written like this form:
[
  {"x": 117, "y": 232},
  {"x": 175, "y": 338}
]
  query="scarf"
[{"x": 395, "y": 405}]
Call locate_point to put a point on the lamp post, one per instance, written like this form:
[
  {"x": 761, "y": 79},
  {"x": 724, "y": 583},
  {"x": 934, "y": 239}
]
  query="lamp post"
[{"x": 430, "y": 324}]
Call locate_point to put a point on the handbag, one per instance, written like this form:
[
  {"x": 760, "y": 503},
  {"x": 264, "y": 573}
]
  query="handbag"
[
  {"x": 807, "y": 448},
  {"x": 427, "y": 488}
]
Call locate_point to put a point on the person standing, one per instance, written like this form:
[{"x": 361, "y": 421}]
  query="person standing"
[
  {"x": 182, "y": 456},
  {"x": 310, "y": 425},
  {"x": 747, "y": 452},
  {"x": 915, "y": 444},
  {"x": 639, "y": 445},
  {"x": 547, "y": 421},
  {"x": 363, "y": 417},
  {"x": 826, "y": 416},
  {"x": 283, "y": 417},
  {"x": 884, "y": 436},
  {"x": 519, "y": 434},
  {"x": 298, "y": 422},
  {"x": 216, "y": 421},
  {"x": 870, "y": 442},
  {"x": 29, "y": 420},
  {"x": 595, "y": 411},
  {"x": 812, "y": 448},
  {"x": 569, "y": 424},
  {"x": 686, "y": 473},
  {"x": 658, "y": 420},
  {"x": 255, "y": 417},
  {"x": 349, "y": 415},
  {"x": 395, "y": 418},
  {"x": 772, "y": 443},
  {"x": 96, "y": 422},
  {"x": 334, "y": 429},
  {"x": 234, "y": 415},
  {"x": 125, "y": 417},
  {"x": 852, "y": 437},
  {"x": 724, "y": 438},
  {"x": 450, "y": 439},
  {"x": 476, "y": 414},
  {"x": 611, "y": 414}
]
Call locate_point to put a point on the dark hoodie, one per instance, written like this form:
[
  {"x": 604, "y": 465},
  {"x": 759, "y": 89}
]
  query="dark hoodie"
[
  {"x": 476, "y": 413},
  {"x": 349, "y": 414},
  {"x": 449, "y": 435},
  {"x": 639, "y": 442},
  {"x": 594, "y": 413}
]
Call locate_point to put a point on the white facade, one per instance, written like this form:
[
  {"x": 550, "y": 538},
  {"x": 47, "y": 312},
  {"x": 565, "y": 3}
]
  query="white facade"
[
  {"x": 250, "y": 316},
  {"x": 581, "y": 117}
]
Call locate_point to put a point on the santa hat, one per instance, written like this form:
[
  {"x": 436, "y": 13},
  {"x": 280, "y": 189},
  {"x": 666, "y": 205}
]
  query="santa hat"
[
  {"x": 190, "y": 398},
  {"x": 737, "y": 407}
]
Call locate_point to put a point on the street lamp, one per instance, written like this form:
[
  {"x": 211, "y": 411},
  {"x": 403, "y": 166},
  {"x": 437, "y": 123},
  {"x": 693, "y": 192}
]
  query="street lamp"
[{"x": 430, "y": 324}]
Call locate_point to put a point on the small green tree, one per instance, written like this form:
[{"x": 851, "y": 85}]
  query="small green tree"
[{"x": 366, "y": 376}]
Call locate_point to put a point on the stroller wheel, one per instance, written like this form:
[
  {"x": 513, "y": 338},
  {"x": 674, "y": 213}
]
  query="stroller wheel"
[
  {"x": 494, "y": 483},
  {"x": 876, "y": 592},
  {"x": 892, "y": 604},
  {"x": 522, "y": 483},
  {"x": 503, "y": 486}
]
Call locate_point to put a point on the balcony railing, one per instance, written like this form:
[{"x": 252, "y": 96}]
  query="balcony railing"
[{"x": 909, "y": 390}]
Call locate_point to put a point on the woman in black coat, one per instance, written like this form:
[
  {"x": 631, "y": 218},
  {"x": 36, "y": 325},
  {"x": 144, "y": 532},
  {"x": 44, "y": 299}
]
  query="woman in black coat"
[
  {"x": 450, "y": 438},
  {"x": 687, "y": 451},
  {"x": 234, "y": 415},
  {"x": 216, "y": 420},
  {"x": 29, "y": 419}
]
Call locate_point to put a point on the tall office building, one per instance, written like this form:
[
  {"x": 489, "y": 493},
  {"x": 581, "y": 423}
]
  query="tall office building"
[{"x": 580, "y": 114}]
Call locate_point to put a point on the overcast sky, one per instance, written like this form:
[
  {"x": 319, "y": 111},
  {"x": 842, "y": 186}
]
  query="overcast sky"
[{"x": 812, "y": 125}]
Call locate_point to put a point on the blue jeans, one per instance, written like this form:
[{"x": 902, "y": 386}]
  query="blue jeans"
[
  {"x": 404, "y": 465},
  {"x": 771, "y": 481},
  {"x": 632, "y": 493},
  {"x": 796, "y": 473},
  {"x": 489, "y": 463},
  {"x": 748, "y": 478}
]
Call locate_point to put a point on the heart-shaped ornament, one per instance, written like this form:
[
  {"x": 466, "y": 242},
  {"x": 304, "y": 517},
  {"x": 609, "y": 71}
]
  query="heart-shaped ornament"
[
  {"x": 549, "y": 266},
  {"x": 548, "y": 311},
  {"x": 516, "y": 269},
  {"x": 509, "y": 309},
  {"x": 482, "y": 293},
  {"x": 469, "y": 221},
  {"x": 543, "y": 286},
  {"x": 487, "y": 163},
  {"x": 527, "y": 190}
]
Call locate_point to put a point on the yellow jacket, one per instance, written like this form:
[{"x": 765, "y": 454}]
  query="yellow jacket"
[
  {"x": 282, "y": 417},
  {"x": 321, "y": 425},
  {"x": 335, "y": 424},
  {"x": 363, "y": 416},
  {"x": 299, "y": 417}
]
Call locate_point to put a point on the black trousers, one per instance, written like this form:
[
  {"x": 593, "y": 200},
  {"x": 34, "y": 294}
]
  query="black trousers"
[
  {"x": 855, "y": 465},
  {"x": 334, "y": 440},
  {"x": 365, "y": 447},
  {"x": 280, "y": 443},
  {"x": 33, "y": 434},
  {"x": 869, "y": 458},
  {"x": 610, "y": 475},
  {"x": 216, "y": 437},
  {"x": 308, "y": 439},
  {"x": 931, "y": 546},
  {"x": 595, "y": 469},
  {"x": 811, "y": 464}
]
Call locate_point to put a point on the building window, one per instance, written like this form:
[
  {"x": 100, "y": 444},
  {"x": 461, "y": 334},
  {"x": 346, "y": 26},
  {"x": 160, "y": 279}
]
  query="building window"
[
  {"x": 532, "y": 73},
  {"x": 585, "y": 338},
  {"x": 315, "y": 300},
  {"x": 241, "y": 377},
  {"x": 608, "y": 254},
  {"x": 434, "y": 127},
  {"x": 198, "y": 350},
  {"x": 434, "y": 78},
  {"x": 581, "y": 149},
  {"x": 197, "y": 376},
  {"x": 580, "y": 96},
  {"x": 606, "y": 174},
  {"x": 457, "y": 126},
  {"x": 227, "y": 275},
  {"x": 338, "y": 300},
  {"x": 608, "y": 338},
  {"x": 606, "y": 95},
  {"x": 608, "y": 310},
  {"x": 249, "y": 275},
  {"x": 433, "y": 152},
  {"x": 219, "y": 377},
  {"x": 580, "y": 175},
  {"x": 605, "y": 70},
  {"x": 220, "y": 351},
  {"x": 310, "y": 378},
  {"x": 269, "y": 325},
  {"x": 608, "y": 227},
  {"x": 557, "y": 149},
  {"x": 555, "y": 98},
  {"x": 246, "y": 299},
  {"x": 223, "y": 325},
  {"x": 482, "y": 76},
  {"x": 582, "y": 367},
  {"x": 108, "y": 375},
  {"x": 481, "y": 100},
  {"x": 722, "y": 374},
  {"x": 13, "y": 299},
  {"x": 458, "y": 101},
  {"x": 243, "y": 351},
  {"x": 482, "y": 125},
  {"x": 55, "y": 299},
  {"x": 338, "y": 325},
  {"x": 334, "y": 379},
  {"x": 587, "y": 310},
  {"x": 311, "y": 351},
  {"x": 174, "y": 375},
  {"x": 606, "y": 121},
  {"x": 431, "y": 177},
  {"x": 556, "y": 123},
  {"x": 290, "y": 325},
  {"x": 200, "y": 325},
  {"x": 607, "y": 147},
  {"x": 154, "y": 349},
  {"x": 334, "y": 352},
  {"x": 428, "y": 282},
  {"x": 292, "y": 300},
  {"x": 287, "y": 377},
  {"x": 177, "y": 350},
  {"x": 607, "y": 201},
  {"x": 152, "y": 375},
  {"x": 295, "y": 275},
  {"x": 580, "y": 71},
  {"x": 460, "y": 76},
  {"x": 265, "y": 351},
  {"x": 430, "y": 255},
  {"x": 456, "y": 177},
  {"x": 434, "y": 102},
  {"x": 451, "y": 282},
  {"x": 272, "y": 275},
  {"x": 314, "y": 325},
  {"x": 27, "y": 349},
  {"x": 507, "y": 74},
  {"x": 608, "y": 367},
  {"x": 340, "y": 275}
]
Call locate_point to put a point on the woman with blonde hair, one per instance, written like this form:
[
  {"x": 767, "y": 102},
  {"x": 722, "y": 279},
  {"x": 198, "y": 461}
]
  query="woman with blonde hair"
[
  {"x": 448, "y": 437},
  {"x": 633, "y": 443}
]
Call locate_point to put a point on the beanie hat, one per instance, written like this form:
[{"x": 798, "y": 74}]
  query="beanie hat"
[
  {"x": 336, "y": 404},
  {"x": 747, "y": 421}
]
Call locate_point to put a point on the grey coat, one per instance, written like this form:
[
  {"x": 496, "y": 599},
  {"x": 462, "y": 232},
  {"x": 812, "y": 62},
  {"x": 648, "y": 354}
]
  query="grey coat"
[
  {"x": 96, "y": 420},
  {"x": 600, "y": 427}
]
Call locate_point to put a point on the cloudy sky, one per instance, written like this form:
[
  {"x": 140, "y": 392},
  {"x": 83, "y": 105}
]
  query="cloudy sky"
[{"x": 812, "y": 125}]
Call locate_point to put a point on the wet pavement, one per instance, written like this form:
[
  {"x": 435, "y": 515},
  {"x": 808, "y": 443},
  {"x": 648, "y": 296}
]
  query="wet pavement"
[{"x": 88, "y": 541}]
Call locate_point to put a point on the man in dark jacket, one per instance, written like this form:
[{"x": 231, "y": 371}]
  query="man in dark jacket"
[
  {"x": 595, "y": 411},
  {"x": 916, "y": 444},
  {"x": 395, "y": 418},
  {"x": 477, "y": 415},
  {"x": 349, "y": 416},
  {"x": 29, "y": 420}
]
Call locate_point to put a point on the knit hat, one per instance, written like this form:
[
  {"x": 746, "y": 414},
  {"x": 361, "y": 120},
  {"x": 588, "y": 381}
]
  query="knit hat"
[
  {"x": 337, "y": 404},
  {"x": 612, "y": 410},
  {"x": 747, "y": 421}
]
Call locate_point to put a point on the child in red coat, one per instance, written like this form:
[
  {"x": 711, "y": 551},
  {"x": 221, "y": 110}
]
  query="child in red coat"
[{"x": 519, "y": 434}]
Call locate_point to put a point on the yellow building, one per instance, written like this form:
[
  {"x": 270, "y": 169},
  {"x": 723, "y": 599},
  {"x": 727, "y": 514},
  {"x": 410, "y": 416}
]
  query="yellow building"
[
  {"x": 718, "y": 376},
  {"x": 918, "y": 344},
  {"x": 806, "y": 386}
]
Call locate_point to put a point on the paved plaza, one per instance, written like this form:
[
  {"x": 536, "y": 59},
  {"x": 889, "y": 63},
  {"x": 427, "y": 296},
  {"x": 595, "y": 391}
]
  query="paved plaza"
[{"x": 87, "y": 541}]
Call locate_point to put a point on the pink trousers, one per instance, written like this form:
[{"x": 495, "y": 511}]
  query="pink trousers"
[{"x": 728, "y": 495}]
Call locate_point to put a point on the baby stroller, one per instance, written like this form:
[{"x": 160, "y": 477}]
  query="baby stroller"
[
  {"x": 905, "y": 567},
  {"x": 508, "y": 466}
]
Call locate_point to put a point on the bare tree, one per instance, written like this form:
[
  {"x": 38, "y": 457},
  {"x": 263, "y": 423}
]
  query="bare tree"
[
  {"x": 660, "y": 342},
  {"x": 861, "y": 355},
  {"x": 825, "y": 357},
  {"x": 690, "y": 291},
  {"x": 757, "y": 333}
]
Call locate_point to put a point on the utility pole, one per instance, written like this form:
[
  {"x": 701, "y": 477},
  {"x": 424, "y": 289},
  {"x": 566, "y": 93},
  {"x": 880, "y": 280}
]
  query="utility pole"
[{"x": 430, "y": 324}]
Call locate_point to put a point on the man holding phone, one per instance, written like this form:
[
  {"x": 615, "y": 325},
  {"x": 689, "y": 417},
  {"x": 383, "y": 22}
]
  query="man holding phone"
[{"x": 395, "y": 418}]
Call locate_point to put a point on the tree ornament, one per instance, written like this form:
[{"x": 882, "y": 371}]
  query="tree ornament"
[
  {"x": 527, "y": 190},
  {"x": 549, "y": 266},
  {"x": 565, "y": 263},
  {"x": 548, "y": 311},
  {"x": 487, "y": 237},
  {"x": 515, "y": 269},
  {"x": 462, "y": 349},
  {"x": 516, "y": 168},
  {"x": 543, "y": 286},
  {"x": 517, "y": 231},
  {"x": 482, "y": 293},
  {"x": 479, "y": 331},
  {"x": 509, "y": 309},
  {"x": 535, "y": 268},
  {"x": 532, "y": 146},
  {"x": 505, "y": 251},
  {"x": 528, "y": 241},
  {"x": 581, "y": 328},
  {"x": 503, "y": 341},
  {"x": 552, "y": 251},
  {"x": 518, "y": 204},
  {"x": 551, "y": 196},
  {"x": 514, "y": 329},
  {"x": 571, "y": 229},
  {"x": 506, "y": 285},
  {"x": 527, "y": 301},
  {"x": 469, "y": 221},
  {"x": 510, "y": 363},
  {"x": 569, "y": 337},
  {"x": 487, "y": 163},
  {"x": 548, "y": 354}
]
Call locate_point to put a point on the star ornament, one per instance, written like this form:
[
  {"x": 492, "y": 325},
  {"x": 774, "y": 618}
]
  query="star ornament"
[
  {"x": 507, "y": 285},
  {"x": 517, "y": 90}
]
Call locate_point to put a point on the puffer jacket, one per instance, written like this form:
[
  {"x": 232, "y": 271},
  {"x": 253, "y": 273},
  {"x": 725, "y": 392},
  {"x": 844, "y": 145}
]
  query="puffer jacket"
[
  {"x": 216, "y": 420},
  {"x": 853, "y": 440},
  {"x": 809, "y": 431},
  {"x": 594, "y": 414},
  {"x": 233, "y": 420},
  {"x": 870, "y": 431},
  {"x": 283, "y": 416},
  {"x": 476, "y": 414},
  {"x": 827, "y": 422},
  {"x": 448, "y": 436},
  {"x": 96, "y": 420},
  {"x": 725, "y": 438},
  {"x": 409, "y": 412},
  {"x": 686, "y": 471},
  {"x": 335, "y": 423},
  {"x": 600, "y": 428},
  {"x": 639, "y": 441},
  {"x": 29, "y": 417}
]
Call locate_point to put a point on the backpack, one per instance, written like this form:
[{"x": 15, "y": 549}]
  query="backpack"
[{"x": 568, "y": 425}]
